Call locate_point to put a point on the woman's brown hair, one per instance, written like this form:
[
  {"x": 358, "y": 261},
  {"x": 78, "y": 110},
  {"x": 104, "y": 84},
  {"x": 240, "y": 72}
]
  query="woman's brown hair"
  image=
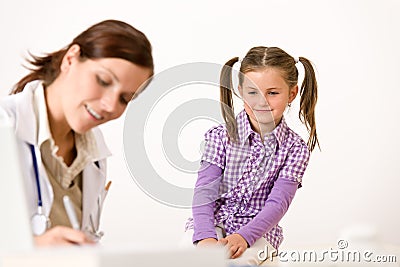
[
  {"x": 259, "y": 58},
  {"x": 106, "y": 39}
]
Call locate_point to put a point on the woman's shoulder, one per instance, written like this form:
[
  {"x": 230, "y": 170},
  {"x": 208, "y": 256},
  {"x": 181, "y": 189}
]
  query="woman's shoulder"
[
  {"x": 8, "y": 109},
  {"x": 4, "y": 116},
  {"x": 20, "y": 107},
  {"x": 10, "y": 102}
]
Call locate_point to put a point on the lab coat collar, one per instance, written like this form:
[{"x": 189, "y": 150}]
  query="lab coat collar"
[{"x": 26, "y": 123}]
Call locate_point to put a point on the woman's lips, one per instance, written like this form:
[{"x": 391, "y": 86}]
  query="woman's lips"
[{"x": 93, "y": 113}]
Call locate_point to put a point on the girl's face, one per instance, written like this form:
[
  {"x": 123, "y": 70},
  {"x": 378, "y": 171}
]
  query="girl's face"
[
  {"x": 266, "y": 95},
  {"x": 96, "y": 91}
]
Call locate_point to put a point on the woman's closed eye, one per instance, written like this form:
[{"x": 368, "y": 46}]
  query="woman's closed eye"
[
  {"x": 124, "y": 100},
  {"x": 103, "y": 82}
]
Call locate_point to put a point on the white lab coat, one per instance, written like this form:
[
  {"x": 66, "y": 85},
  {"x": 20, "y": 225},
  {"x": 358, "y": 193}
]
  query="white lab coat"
[{"x": 22, "y": 112}]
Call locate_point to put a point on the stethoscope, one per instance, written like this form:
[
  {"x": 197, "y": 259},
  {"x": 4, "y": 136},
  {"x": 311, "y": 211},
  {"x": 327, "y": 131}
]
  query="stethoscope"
[{"x": 40, "y": 222}]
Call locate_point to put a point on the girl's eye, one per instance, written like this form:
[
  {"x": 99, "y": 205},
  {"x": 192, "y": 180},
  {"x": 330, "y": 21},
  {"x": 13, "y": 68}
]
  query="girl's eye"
[
  {"x": 102, "y": 82},
  {"x": 273, "y": 93},
  {"x": 252, "y": 93}
]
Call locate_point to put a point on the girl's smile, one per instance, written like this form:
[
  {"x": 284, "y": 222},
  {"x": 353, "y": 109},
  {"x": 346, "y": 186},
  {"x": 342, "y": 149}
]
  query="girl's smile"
[{"x": 266, "y": 96}]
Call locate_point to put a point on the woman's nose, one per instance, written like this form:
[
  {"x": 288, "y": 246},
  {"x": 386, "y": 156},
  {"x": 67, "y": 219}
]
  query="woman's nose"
[{"x": 109, "y": 101}]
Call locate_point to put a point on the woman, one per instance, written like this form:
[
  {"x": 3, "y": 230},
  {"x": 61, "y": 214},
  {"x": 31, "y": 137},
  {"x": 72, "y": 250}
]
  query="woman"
[{"x": 56, "y": 109}]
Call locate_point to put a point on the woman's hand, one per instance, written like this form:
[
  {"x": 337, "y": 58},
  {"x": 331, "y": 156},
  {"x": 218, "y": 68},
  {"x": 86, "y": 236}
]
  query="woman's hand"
[
  {"x": 235, "y": 244},
  {"x": 61, "y": 235}
]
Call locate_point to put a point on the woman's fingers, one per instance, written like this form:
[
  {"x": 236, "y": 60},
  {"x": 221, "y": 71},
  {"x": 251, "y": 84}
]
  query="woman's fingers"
[
  {"x": 61, "y": 235},
  {"x": 74, "y": 236}
]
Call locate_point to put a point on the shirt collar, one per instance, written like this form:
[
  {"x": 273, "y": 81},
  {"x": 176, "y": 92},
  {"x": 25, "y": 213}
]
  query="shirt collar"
[
  {"x": 280, "y": 131},
  {"x": 244, "y": 127},
  {"x": 245, "y": 130}
]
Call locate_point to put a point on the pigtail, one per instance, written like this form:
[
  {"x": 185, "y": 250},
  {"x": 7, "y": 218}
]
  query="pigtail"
[
  {"x": 308, "y": 100},
  {"x": 226, "y": 88}
]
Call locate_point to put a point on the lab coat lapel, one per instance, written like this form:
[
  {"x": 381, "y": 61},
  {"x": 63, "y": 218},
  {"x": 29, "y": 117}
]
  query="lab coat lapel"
[
  {"x": 93, "y": 185},
  {"x": 26, "y": 128}
]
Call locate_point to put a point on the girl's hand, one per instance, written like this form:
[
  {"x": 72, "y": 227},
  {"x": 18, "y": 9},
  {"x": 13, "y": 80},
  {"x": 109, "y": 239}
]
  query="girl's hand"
[
  {"x": 61, "y": 235},
  {"x": 235, "y": 244},
  {"x": 207, "y": 242}
]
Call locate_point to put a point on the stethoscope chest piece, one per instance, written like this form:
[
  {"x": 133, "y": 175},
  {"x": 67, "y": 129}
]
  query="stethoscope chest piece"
[{"x": 40, "y": 223}]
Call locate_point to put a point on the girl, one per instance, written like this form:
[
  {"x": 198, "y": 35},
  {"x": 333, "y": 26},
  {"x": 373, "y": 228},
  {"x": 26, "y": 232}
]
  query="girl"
[
  {"x": 252, "y": 166},
  {"x": 56, "y": 109}
]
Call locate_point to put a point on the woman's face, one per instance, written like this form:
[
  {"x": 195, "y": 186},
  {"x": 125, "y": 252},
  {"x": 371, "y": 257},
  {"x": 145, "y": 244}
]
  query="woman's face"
[
  {"x": 96, "y": 91},
  {"x": 266, "y": 95}
]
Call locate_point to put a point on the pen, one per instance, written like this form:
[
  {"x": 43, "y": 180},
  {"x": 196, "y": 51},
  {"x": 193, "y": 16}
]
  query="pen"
[
  {"x": 108, "y": 186},
  {"x": 103, "y": 196},
  {"x": 71, "y": 213}
]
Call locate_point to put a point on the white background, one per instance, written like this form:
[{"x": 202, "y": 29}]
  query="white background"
[{"x": 353, "y": 181}]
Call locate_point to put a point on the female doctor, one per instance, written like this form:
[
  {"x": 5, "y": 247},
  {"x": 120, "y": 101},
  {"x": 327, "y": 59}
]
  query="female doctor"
[{"x": 56, "y": 109}]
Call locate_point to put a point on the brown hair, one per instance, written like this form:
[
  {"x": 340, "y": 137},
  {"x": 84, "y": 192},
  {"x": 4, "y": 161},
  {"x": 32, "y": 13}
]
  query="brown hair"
[
  {"x": 259, "y": 58},
  {"x": 106, "y": 39}
]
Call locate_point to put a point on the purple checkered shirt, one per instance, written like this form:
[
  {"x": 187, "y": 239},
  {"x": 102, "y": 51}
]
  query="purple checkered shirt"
[{"x": 250, "y": 170}]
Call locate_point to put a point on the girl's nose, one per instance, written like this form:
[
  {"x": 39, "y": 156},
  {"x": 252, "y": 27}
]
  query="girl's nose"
[{"x": 262, "y": 100}]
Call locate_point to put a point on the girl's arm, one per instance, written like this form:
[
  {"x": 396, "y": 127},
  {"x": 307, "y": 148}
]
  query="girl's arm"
[
  {"x": 280, "y": 197},
  {"x": 208, "y": 182},
  {"x": 205, "y": 194}
]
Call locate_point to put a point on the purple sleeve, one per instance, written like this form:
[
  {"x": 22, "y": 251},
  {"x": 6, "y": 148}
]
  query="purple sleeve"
[
  {"x": 205, "y": 194},
  {"x": 275, "y": 207},
  {"x": 282, "y": 193}
]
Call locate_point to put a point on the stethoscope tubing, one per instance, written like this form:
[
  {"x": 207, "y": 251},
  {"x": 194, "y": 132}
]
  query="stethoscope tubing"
[{"x": 36, "y": 170}]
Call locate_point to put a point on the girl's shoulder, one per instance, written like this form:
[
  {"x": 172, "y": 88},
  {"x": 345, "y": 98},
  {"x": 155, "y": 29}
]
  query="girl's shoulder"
[
  {"x": 287, "y": 137},
  {"x": 293, "y": 139},
  {"x": 218, "y": 132}
]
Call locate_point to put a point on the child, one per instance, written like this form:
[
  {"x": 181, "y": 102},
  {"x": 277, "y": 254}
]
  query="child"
[
  {"x": 253, "y": 165},
  {"x": 56, "y": 109}
]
